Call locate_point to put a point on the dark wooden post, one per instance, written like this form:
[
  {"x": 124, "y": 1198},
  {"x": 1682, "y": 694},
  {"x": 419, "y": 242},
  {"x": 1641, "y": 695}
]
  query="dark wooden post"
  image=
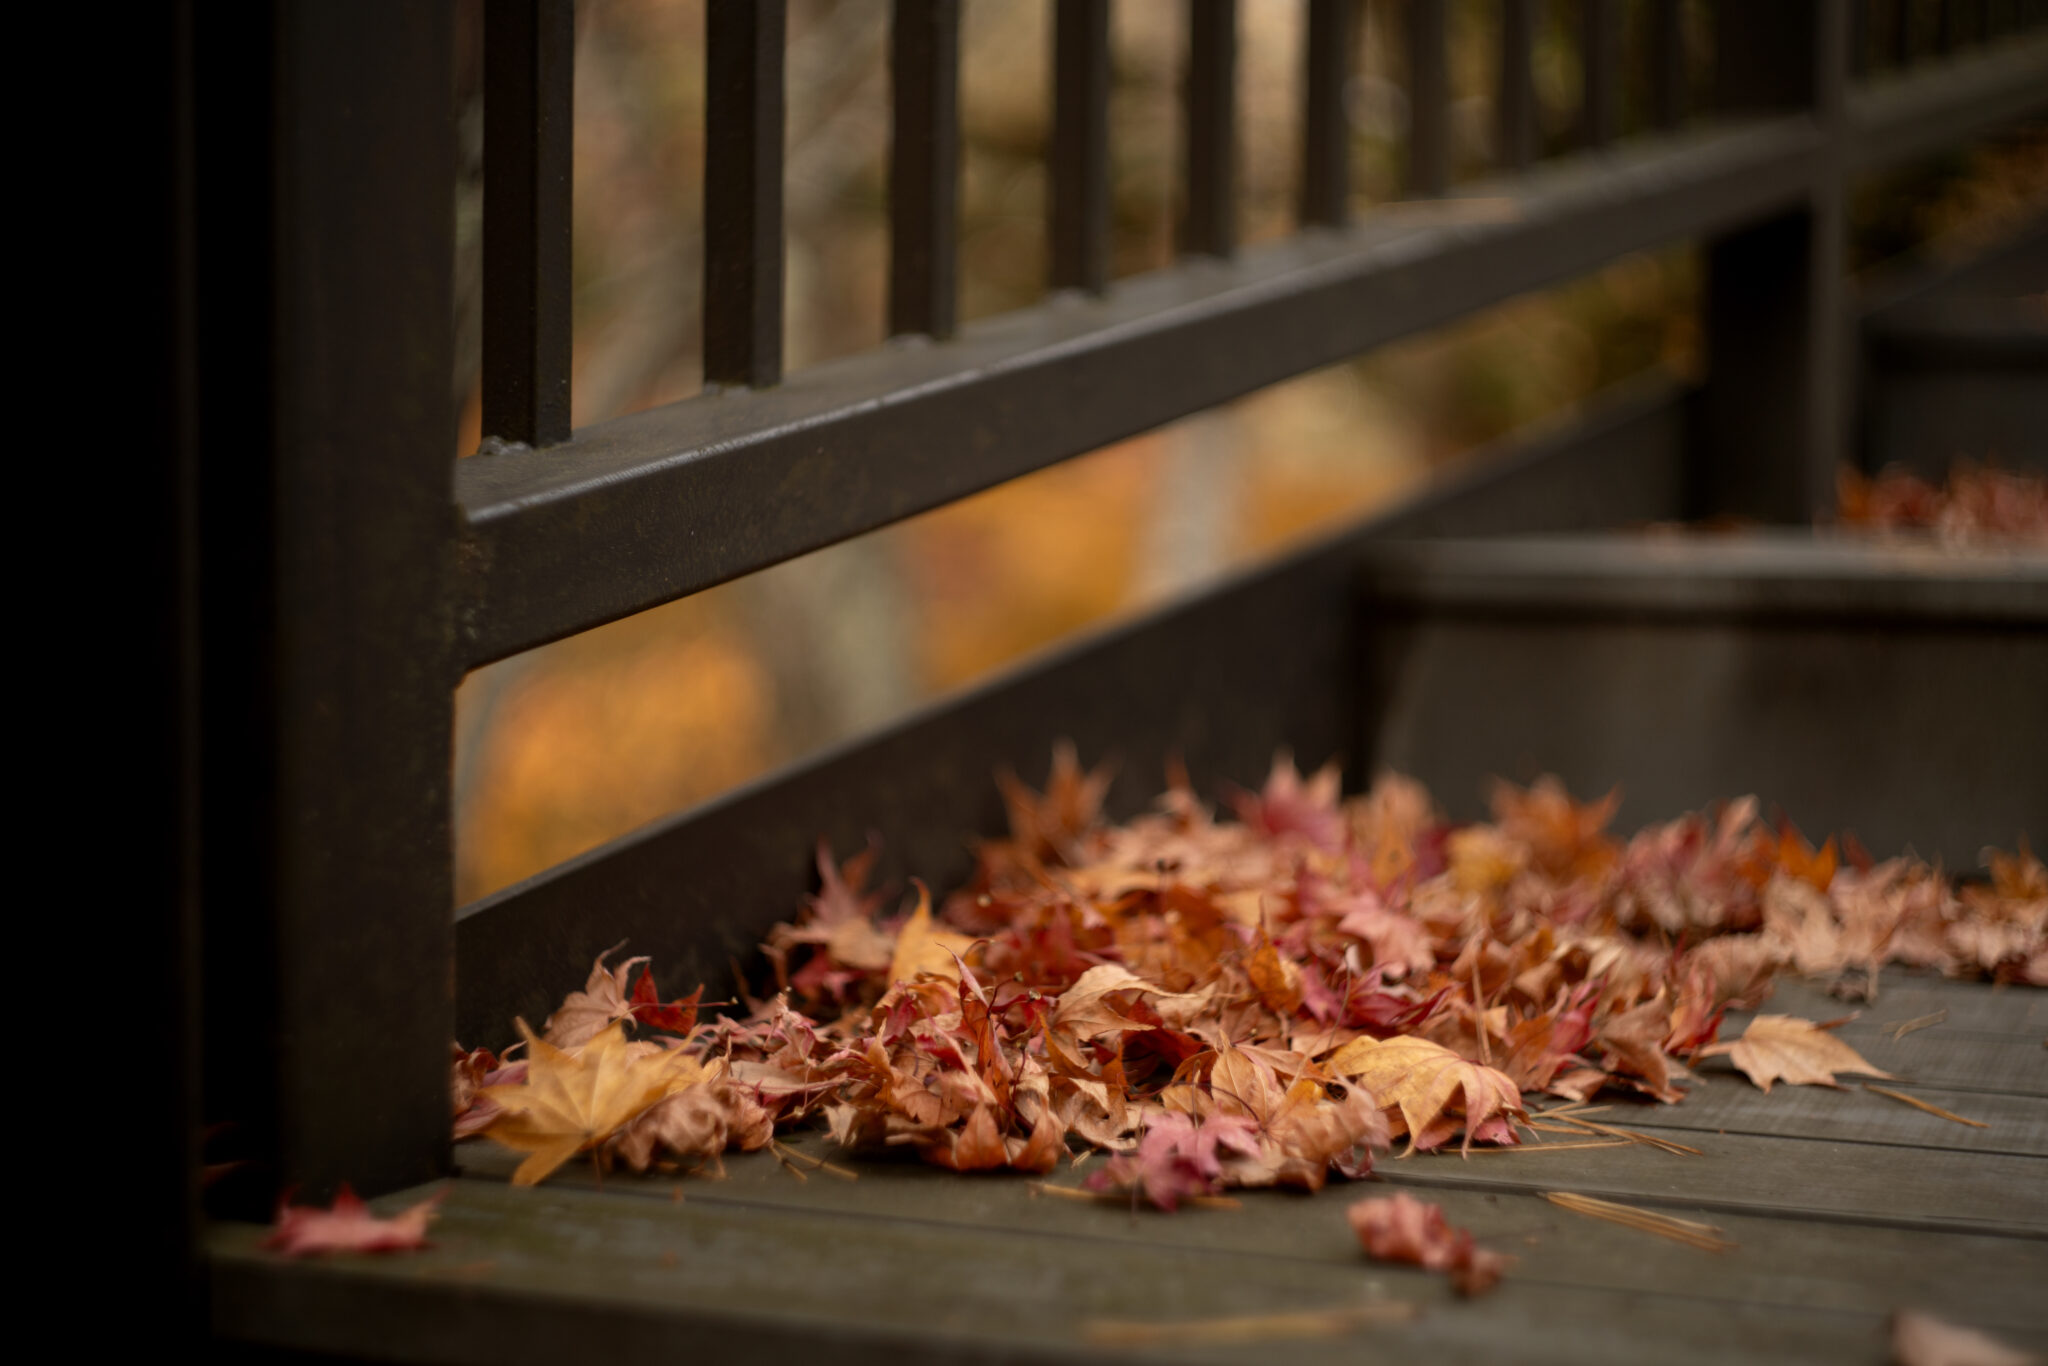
[
  {"x": 326, "y": 226},
  {"x": 1771, "y": 418}
]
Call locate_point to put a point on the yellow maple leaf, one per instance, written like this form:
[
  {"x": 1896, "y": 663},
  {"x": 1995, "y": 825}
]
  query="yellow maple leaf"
[
  {"x": 1422, "y": 1081},
  {"x": 922, "y": 947},
  {"x": 574, "y": 1100}
]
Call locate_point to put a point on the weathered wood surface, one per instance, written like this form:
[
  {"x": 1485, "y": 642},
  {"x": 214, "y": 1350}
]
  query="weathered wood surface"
[
  {"x": 1844, "y": 1206},
  {"x": 527, "y": 1275},
  {"x": 1724, "y": 1101}
]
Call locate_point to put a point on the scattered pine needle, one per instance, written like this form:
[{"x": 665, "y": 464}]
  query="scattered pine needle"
[
  {"x": 1905, "y": 1027},
  {"x": 1919, "y": 1104},
  {"x": 1302, "y": 1323},
  {"x": 1065, "y": 1192},
  {"x": 1706, "y": 1237},
  {"x": 792, "y": 1159},
  {"x": 1633, "y": 1135},
  {"x": 1552, "y": 1147},
  {"x": 1122, "y": 1201}
]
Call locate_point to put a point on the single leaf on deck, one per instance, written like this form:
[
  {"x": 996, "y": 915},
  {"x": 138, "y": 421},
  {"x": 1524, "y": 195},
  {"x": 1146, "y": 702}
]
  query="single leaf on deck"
[
  {"x": 1787, "y": 1048},
  {"x": 348, "y": 1226},
  {"x": 1400, "y": 1228}
]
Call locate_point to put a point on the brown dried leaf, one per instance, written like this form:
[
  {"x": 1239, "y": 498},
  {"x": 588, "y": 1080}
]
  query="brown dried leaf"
[
  {"x": 922, "y": 946},
  {"x": 1786, "y": 1048},
  {"x": 1434, "y": 1091},
  {"x": 602, "y": 1001}
]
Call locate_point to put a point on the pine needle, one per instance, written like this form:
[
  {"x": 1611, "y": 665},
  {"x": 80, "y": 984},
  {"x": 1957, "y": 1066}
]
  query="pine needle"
[
  {"x": 1706, "y": 1237},
  {"x": 1065, "y": 1192},
  {"x": 791, "y": 1156},
  {"x": 1301, "y": 1323},
  {"x": 1633, "y": 1135},
  {"x": 1919, "y": 1104},
  {"x": 1552, "y": 1147},
  {"x": 1905, "y": 1027},
  {"x": 1119, "y": 1200}
]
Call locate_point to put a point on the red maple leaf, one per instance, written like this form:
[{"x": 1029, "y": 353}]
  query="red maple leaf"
[
  {"x": 678, "y": 1016},
  {"x": 1400, "y": 1228},
  {"x": 348, "y": 1226}
]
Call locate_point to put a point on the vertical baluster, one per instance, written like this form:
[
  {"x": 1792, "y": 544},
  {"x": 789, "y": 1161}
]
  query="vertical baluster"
[
  {"x": 1080, "y": 145},
  {"x": 1429, "y": 99},
  {"x": 1667, "y": 63},
  {"x": 1900, "y": 32},
  {"x": 1515, "y": 105},
  {"x": 1208, "y": 225},
  {"x": 1325, "y": 129},
  {"x": 529, "y": 123},
  {"x": 1860, "y": 55},
  {"x": 1948, "y": 27},
  {"x": 1600, "y": 67},
  {"x": 924, "y": 167},
  {"x": 1773, "y": 412},
  {"x": 743, "y": 246}
]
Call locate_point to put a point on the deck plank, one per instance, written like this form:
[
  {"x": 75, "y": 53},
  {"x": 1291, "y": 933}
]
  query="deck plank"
[
  {"x": 1902, "y": 996},
  {"x": 1870, "y": 1184},
  {"x": 541, "y": 1275},
  {"x": 1724, "y": 1101}
]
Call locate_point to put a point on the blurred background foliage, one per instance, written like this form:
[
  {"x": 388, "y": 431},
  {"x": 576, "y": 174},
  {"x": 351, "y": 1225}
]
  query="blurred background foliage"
[{"x": 570, "y": 745}]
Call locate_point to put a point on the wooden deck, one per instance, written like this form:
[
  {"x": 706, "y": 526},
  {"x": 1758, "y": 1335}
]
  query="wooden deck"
[{"x": 1846, "y": 1206}]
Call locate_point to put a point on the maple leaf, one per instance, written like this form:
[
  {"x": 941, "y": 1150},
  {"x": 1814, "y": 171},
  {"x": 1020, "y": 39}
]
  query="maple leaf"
[
  {"x": 1043, "y": 827},
  {"x": 678, "y": 1016},
  {"x": 1633, "y": 1043},
  {"x": 1178, "y": 1156},
  {"x": 1924, "y": 1340},
  {"x": 1786, "y": 1048},
  {"x": 1400, "y": 1228},
  {"x": 1422, "y": 1081},
  {"x": 695, "y": 1125},
  {"x": 1288, "y": 806},
  {"x": 572, "y": 1101},
  {"x": 1087, "y": 1009},
  {"x": 469, "y": 1068},
  {"x": 1276, "y": 979},
  {"x": 1566, "y": 839},
  {"x": 348, "y": 1226},
  {"x": 922, "y": 947},
  {"x": 1400, "y": 945},
  {"x": 603, "y": 1000}
]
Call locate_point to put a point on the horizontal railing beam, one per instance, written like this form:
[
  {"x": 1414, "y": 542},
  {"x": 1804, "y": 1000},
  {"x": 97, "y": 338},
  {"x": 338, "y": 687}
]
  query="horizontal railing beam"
[
  {"x": 650, "y": 507},
  {"x": 1896, "y": 118}
]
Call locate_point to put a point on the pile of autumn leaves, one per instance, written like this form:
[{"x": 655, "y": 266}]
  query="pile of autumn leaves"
[{"x": 1256, "y": 1001}]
